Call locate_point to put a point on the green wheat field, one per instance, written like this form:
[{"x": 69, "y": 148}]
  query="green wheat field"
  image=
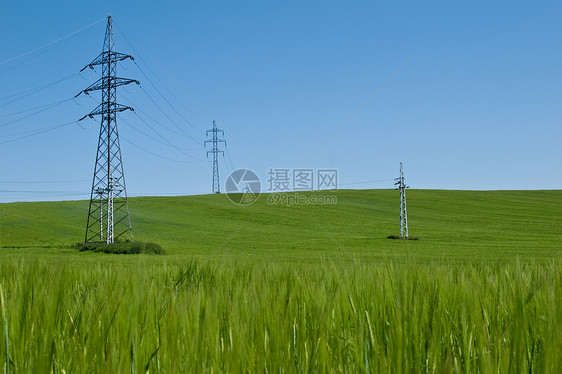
[{"x": 276, "y": 288}]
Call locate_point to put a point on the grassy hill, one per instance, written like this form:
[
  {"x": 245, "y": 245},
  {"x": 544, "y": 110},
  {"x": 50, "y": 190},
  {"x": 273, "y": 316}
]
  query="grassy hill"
[
  {"x": 451, "y": 225},
  {"x": 302, "y": 288}
]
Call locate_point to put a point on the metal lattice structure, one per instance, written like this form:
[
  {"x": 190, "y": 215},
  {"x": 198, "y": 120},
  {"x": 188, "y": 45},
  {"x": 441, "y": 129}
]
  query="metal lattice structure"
[
  {"x": 108, "y": 215},
  {"x": 401, "y": 185},
  {"x": 215, "y": 151}
]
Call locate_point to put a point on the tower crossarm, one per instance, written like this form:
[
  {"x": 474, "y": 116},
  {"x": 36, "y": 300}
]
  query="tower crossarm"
[
  {"x": 104, "y": 83},
  {"x": 215, "y": 131},
  {"x": 214, "y": 151},
  {"x": 107, "y": 57},
  {"x": 215, "y": 141},
  {"x": 101, "y": 110}
]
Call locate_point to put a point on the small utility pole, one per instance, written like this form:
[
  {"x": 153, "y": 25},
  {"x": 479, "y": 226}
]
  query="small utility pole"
[
  {"x": 215, "y": 141},
  {"x": 401, "y": 185}
]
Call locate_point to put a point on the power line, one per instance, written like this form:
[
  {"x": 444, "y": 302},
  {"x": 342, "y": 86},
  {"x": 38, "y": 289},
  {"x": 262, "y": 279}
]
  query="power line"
[
  {"x": 39, "y": 132},
  {"x": 201, "y": 106},
  {"x": 52, "y": 42},
  {"x": 158, "y": 79},
  {"x": 44, "y": 182},
  {"x": 151, "y": 118},
  {"x": 180, "y": 85},
  {"x": 138, "y": 194},
  {"x": 147, "y": 135},
  {"x": 183, "y": 88},
  {"x": 158, "y": 122},
  {"x": 37, "y": 112},
  {"x": 156, "y": 88},
  {"x": 154, "y": 74},
  {"x": 155, "y": 154},
  {"x": 377, "y": 181},
  {"x": 30, "y": 109},
  {"x": 44, "y": 192},
  {"x": 35, "y": 90},
  {"x": 227, "y": 151},
  {"x": 169, "y": 91},
  {"x": 167, "y": 141},
  {"x": 26, "y": 60},
  {"x": 167, "y": 116},
  {"x": 25, "y": 132},
  {"x": 166, "y": 100},
  {"x": 380, "y": 87}
]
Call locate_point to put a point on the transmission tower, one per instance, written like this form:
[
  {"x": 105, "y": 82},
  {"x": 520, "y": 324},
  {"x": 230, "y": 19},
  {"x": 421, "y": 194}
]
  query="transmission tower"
[
  {"x": 108, "y": 215},
  {"x": 401, "y": 185},
  {"x": 215, "y": 141}
]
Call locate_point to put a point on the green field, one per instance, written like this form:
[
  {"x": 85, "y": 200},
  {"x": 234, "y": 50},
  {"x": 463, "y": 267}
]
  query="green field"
[{"x": 289, "y": 288}]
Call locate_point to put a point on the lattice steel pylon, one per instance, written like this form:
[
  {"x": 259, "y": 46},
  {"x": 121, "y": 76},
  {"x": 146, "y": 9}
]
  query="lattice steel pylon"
[
  {"x": 108, "y": 215},
  {"x": 401, "y": 185},
  {"x": 215, "y": 141}
]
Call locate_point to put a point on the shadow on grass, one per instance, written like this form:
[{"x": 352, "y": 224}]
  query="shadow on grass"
[
  {"x": 398, "y": 237},
  {"x": 122, "y": 248}
]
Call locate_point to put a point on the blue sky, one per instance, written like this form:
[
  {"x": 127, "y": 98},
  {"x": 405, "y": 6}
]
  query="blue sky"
[{"x": 466, "y": 94}]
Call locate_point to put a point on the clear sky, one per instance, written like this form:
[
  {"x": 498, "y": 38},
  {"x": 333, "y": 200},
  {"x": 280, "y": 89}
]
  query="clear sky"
[{"x": 466, "y": 94}]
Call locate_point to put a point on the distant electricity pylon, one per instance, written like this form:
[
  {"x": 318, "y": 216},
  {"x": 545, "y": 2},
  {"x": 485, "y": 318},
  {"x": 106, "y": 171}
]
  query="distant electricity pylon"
[
  {"x": 108, "y": 215},
  {"x": 215, "y": 141},
  {"x": 401, "y": 185}
]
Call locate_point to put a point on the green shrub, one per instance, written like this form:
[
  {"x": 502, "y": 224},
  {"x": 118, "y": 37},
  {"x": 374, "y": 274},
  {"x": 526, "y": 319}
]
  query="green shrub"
[{"x": 122, "y": 248}]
